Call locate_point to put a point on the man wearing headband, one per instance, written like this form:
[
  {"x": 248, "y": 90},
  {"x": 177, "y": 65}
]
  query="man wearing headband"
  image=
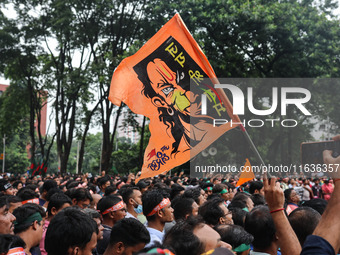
[
  {"x": 6, "y": 218},
  {"x": 6, "y": 188},
  {"x": 29, "y": 225},
  {"x": 157, "y": 209},
  {"x": 112, "y": 209}
]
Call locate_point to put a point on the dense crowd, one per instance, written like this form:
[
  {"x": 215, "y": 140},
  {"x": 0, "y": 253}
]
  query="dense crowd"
[{"x": 85, "y": 214}]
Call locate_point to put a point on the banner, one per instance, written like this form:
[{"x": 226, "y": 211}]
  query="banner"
[{"x": 155, "y": 82}]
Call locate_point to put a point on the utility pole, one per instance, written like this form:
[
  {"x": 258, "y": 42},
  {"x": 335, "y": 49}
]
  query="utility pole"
[{"x": 4, "y": 153}]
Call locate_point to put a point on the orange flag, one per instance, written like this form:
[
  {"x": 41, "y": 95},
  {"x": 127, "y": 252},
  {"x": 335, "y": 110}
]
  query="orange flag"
[
  {"x": 246, "y": 175},
  {"x": 157, "y": 82}
]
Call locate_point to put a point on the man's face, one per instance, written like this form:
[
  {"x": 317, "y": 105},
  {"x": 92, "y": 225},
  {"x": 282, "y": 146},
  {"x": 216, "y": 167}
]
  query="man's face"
[
  {"x": 168, "y": 213},
  {"x": 89, "y": 246},
  {"x": 227, "y": 215},
  {"x": 137, "y": 197},
  {"x": 133, "y": 249},
  {"x": 163, "y": 81},
  {"x": 100, "y": 228},
  {"x": 120, "y": 214},
  {"x": 13, "y": 206},
  {"x": 83, "y": 203},
  {"x": 202, "y": 198},
  {"x": 194, "y": 211},
  {"x": 6, "y": 221}
]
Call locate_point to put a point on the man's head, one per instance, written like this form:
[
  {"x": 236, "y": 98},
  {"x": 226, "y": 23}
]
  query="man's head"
[
  {"x": 6, "y": 218},
  {"x": 192, "y": 236},
  {"x": 245, "y": 198},
  {"x": 81, "y": 197},
  {"x": 128, "y": 236},
  {"x": 6, "y": 188},
  {"x": 132, "y": 197},
  {"x": 236, "y": 236},
  {"x": 14, "y": 202},
  {"x": 97, "y": 218},
  {"x": 112, "y": 208},
  {"x": 166, "y": 92},
  {"x": 29, "y": 222},
  {"x": 215, "y": 212},
  {"x": 49, "y": 184},
  {"x": 184, "y": 207},
  {"x": 157, "y": 207},
  {"x": 58, "y": 202},
  {"x": 303, "y": 221},
  {"x": 256, "y": 187},
  {"x": 71, "y": 232},
  {"x": 260, "y": 224},
  {"x": 196, "y": 194}
]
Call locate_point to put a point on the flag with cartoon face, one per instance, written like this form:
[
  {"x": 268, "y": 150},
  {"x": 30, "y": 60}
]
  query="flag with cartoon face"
[{"x": 164, "y": 81}]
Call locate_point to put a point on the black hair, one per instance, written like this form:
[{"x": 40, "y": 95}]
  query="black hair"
[
  {"x": 303, "y": 221},
  {"x": 127, "y": 193},
  {"x": 103, "y": 181},
  {"x": 70, "y": 227},
  {"x": 211, "y": 211},
  {"x": 260, "y": 224},
  {"x": 10, "y": 241},
  {"x": 287, "y": 194},
  {"x": 26, "y": 194},
  {"x": 317, "y": 204},
  {"x": 258, "y": 199},
  {"x": 22, "y": 213},
  {"x": 150, "y": 200},
  {"x": 107, "y": 202},
  {"x": 193, "y": 193},
  {"x": 12, "y": 199},
  {"x": 237, "y": 204},
  {"x": 255, "y": 185},
  {"x": 51, "y": 192},
  {"x": 239, "y": 215},
  {"x": 130, "y": 232},
  {"x": 110, "y": 189},
  {"x": 182, "y": 206},
  {"x": 181, "y": 238},
  {"x": 49, "y": 184},
  {"x": 57, "y": 201},
  {"x": 31, "y": 186},
  {"x": 175, "y": 190},
  {"x": 80, "y": 194},
  {"x": 16, "y": 184},
  {"x": 219, "y": 187},
  {"x": 234, "y": 235},
  {"x": 4, "y": 201}
]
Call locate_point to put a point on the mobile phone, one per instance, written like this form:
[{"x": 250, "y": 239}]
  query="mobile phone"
[{"x": 311, "y": 153}]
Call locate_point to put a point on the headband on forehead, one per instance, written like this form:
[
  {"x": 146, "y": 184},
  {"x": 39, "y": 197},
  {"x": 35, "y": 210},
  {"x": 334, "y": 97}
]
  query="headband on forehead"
[
  {"x": 114, "y": 208},
  {"x": 208, "y": 189},
  {"x": 7, "y": 186},
  {"x": 16, "y": 251},
  {"x": 224, "y": 191},
  {"x": 161, "y": 205},
  {"x": 34, "y": 217},
  {"x": 34, "y": 201}
]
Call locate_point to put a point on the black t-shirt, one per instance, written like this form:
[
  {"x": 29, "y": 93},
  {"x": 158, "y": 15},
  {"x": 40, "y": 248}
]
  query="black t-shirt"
[{"x": 316, "y": 245}]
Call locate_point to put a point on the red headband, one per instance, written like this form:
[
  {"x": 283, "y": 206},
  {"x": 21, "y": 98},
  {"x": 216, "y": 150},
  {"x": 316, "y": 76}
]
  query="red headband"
[
  {"x": 34, "y": 201},
  {"x": 16, "y": 251},
  {"x": 114, "y": 208},
  {"x": 161, "y": 205}
]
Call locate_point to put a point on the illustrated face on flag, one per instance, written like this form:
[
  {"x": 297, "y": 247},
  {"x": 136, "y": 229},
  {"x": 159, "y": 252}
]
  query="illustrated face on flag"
[{"x": 156, "y": 82}]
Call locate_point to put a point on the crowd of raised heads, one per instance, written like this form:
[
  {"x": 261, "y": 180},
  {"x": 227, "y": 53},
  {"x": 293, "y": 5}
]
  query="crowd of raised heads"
[{"x": 111, "y": 214}]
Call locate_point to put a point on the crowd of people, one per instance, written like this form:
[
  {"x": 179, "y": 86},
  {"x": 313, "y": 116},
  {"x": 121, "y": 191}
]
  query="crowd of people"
[{"x": 85, "y": 214}]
